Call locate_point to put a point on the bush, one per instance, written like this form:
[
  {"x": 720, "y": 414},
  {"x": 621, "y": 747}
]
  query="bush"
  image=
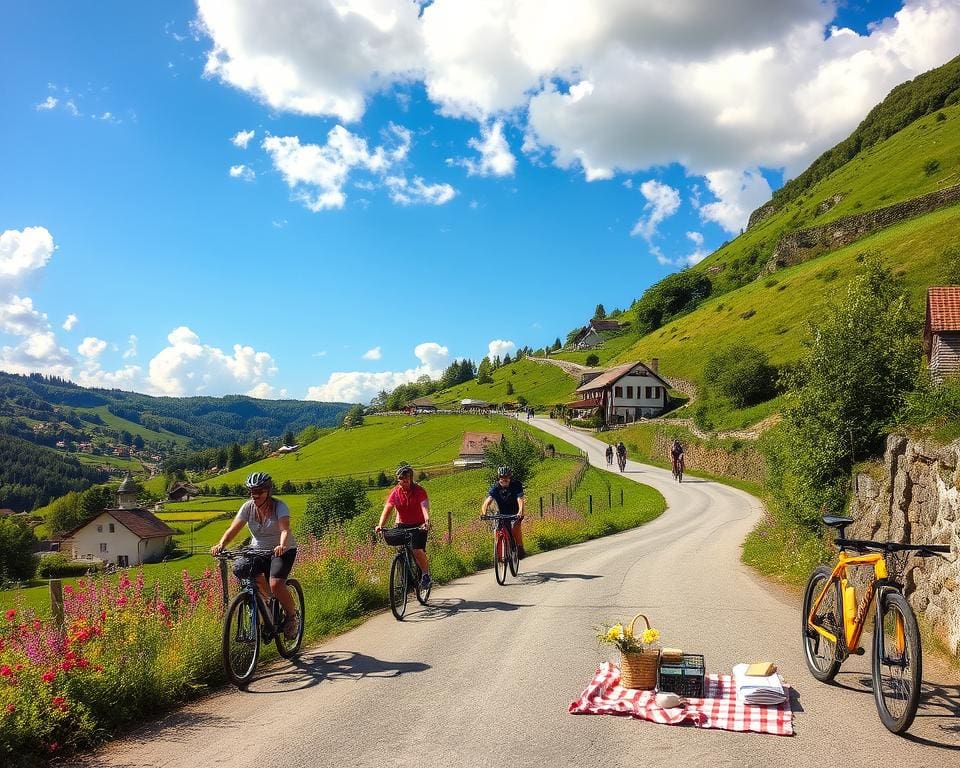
[
  {"x": 931, "y": 167},
  {"x": 516, "y": 451},
  {"x": 741, "y": 374},
  {"x": 17, "y": 561},
  {"x": 58, "y": 566},
  {"x": 593, "y": 359},
  {"x": 336, "y": 500}
]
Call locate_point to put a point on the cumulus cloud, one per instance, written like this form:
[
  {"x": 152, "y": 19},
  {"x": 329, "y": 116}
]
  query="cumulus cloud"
[
  {"x": 91, "y": 347},
  {"x": 49, "y": 103},
  {"x": 372, "y": 354},
  {"x": 738, "y": 194},
  {"x": 407, "y": 192},
  {"x": 499, "y": 348},
  {"x": 242, "y": 138},
  {"x": 131, "y": 350},
  {"x": 23, "y": 251},
  {"x": 496, "y": 159},
  {"x": 662, "y": 202},
  {"x": 362, "y": 386},
  {"x": 605, "y": 88},
  {"x": 70, "y": 322},
  {"x": 242, "y": 172}
]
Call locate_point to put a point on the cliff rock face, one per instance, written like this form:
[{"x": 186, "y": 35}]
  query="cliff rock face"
[{"x": 914, "y": 498}]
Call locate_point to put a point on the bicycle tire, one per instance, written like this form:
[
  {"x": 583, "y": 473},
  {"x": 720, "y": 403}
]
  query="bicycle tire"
[
  {"x": 514, "y": 560},
  {"x": 500, "y": 557},
  {"x": 241, "y": 640},
  {"x": 819, "y": 653},
  {"x": 398, "y": 587},
  {"x": 422, "y": 594},
  {"x": 285, "y": 647},
  {"x": 896, "y": 690}
]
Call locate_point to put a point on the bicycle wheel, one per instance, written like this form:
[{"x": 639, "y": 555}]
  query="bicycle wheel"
[
  {"x": 398, "y": 587},
  {"x": 820, "y": 653},
  {"x": 897, "y": 663},
  {"x": 285, "y": 646},
  {"x": 241, "y": 639},
  {"x": 422, "y": 594},
  {"x": 514, "y": 559},
  {"x": 500, "y": 557}
]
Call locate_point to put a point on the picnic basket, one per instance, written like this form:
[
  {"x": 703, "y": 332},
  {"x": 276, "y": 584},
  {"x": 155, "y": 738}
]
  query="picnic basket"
[{"x": 639, "y": 669}]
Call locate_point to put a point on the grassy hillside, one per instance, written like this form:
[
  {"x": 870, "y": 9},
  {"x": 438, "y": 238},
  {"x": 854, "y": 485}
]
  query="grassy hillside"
[
  {"x": 120, "y": 424},
  {"x": 542, "y": 385}
]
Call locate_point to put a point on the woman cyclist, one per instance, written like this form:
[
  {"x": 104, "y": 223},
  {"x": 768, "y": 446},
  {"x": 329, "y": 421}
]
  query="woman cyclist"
[
  {"x": 507, "y": 493},
  {"x": 413, "y": 512},
  {"x": 269, "y": 522}
]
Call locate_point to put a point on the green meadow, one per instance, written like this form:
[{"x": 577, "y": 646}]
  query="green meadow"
[{"x": 542, "y": 385}]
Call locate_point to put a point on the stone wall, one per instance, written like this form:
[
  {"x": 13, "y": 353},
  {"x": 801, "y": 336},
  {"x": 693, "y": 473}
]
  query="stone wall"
[
  {"x": 912, "y": 496},
  {"x": 746, "y": 464},
  {"x": 805, "y": 244},
  {"x": 765, "y": 211}
]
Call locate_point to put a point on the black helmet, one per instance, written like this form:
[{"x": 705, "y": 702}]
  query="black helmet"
[
  {"x": 404, "y": 469},
  {"x": 258, "y": 480},
  {"x": 504, "y": 471}
]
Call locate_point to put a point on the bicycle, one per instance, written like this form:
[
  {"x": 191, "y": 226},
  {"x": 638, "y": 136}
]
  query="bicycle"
[
  {"x": 834, "y": 620},
  {"x": 622, "y": 461},
  {"x": 250, "y": 620},
  {"x": 404, "y": 571},
  {"x": 678, "y": 469},
  {"x": 506, "y": 554}
]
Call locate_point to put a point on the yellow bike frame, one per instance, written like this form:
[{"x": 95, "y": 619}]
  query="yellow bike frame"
[{"x": 854, "y": 613}]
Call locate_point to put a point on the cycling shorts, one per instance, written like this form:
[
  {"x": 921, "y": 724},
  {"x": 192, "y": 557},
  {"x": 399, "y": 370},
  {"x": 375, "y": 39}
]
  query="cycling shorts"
[{"x": 276, "y": 567}]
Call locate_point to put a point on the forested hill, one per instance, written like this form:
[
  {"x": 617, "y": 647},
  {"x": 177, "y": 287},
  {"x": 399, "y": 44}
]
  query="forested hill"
[
  {"x": 30, "y": 476},
  {"x": 46, "y": 410}
]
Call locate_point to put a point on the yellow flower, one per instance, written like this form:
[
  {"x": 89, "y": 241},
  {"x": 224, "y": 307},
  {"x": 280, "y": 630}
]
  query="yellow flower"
[
  {"x": 615, "y": 632},
  {"x": 650, "y": 636}
]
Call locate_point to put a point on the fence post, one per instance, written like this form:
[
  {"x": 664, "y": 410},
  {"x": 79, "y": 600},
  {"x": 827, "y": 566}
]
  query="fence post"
[
  {"x": 224, "y": 582},
  {"x": 621, "y": 497},
  {"x": 541, "y": 507},
  {"x": 609, "y": 498},
  {"x": 56, "y": 603},
  {"x": 449, "y": 526},
  {"x": 590, "y": 497}
]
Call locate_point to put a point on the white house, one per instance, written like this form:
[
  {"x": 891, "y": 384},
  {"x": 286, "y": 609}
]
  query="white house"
[
  {"x": 128, "y": 535},
  {"x": 626, "y": 393},
  {"x": 941, "y": 333},
  {"x": 590, "y": 335}
]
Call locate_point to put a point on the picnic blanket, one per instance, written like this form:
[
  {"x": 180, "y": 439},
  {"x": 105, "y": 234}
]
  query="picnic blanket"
[{"x": 718, "y": 709}]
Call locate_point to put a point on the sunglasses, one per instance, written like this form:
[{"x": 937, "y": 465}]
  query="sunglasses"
[{"x": 257, "y": 491}]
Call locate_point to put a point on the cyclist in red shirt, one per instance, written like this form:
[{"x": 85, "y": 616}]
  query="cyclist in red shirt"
[{"x": 413, "y": 511}]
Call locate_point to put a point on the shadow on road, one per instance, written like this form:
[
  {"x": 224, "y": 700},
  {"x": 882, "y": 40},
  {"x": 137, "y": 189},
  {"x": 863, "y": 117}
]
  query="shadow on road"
[
  {"x": 309, "y": 671},
  {"x": 542, "y": 577},
  {"x": 444, "y": 609}
]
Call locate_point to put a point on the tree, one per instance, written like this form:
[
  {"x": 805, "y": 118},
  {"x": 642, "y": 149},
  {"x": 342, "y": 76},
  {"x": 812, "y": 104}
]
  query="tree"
[
  {"x": 592, "y": 359},
  {"x": 234, "y": 457},
  {"x": 17, "y": 541},
  {"x": 742, "y": 374},
  {"x": 506, "y": 359},
  {"x": 335, "y": 501},
  {"x": 288, "y": 438},
  {"x": 138, "y": 442},
  {"x": 676, "y": 294},
  {"x": 599, "y": 313},
  {"x": 509, "y": 387},
  {"x": 518, "y": 452},
  {"x": 556, "y": 345},
  {"x": 353, "y": 417},
  {"x": 485, "y": 372}
]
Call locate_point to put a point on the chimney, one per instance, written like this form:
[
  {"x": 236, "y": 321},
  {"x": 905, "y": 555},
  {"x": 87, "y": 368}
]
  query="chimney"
[{"x": 655, "y": 364}]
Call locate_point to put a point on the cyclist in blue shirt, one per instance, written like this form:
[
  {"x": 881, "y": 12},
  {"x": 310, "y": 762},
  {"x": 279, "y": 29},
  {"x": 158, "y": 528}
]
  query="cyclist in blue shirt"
[{"x": 508, "y": 495}]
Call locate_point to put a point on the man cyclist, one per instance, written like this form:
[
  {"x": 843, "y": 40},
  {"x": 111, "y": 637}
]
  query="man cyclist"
[
  {"x": 269, "y": 522},
  {"x": 508, "y": 495},
  {"x": 410, "y": 501},
  {"x": 609, "y": 455},
  {"x": 676, "y": 454},
  {"x": 621, "y": 455}
]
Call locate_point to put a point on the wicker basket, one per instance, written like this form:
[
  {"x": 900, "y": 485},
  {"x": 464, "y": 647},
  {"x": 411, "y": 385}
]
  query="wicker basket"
[{"x": 639, "y": 669}]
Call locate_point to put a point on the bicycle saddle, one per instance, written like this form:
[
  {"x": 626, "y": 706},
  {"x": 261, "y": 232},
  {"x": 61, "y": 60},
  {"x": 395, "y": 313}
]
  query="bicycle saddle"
[{"x": 837, "y": 521}]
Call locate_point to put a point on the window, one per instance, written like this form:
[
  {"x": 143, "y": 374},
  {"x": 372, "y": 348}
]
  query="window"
[
  {"x": 629, "y": 393},
  {"x": 649, "y": 394},
  {"x": 112, "y": 530},
  {"x": 618, "y": 391},
  {"x": 103, "y": 547},
  {"x": 99, "y": 529}
]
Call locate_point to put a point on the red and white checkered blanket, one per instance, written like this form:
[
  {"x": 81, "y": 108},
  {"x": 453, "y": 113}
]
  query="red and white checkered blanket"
[{"x": 718, "y": 709}]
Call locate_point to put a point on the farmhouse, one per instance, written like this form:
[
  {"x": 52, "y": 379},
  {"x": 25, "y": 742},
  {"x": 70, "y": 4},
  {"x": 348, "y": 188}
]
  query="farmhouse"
[
  {"x": 941, "y": 332},
  {"x": 180, "y": 491},
  {"x": 473, "y": 445},
  {"x": 125, "y": 536},
  {"x": 421, "y": 405},
  {"x": 590, "y": 335},
  {"x": 474, "y": 406},
  {"x": 624, "y": 394}
]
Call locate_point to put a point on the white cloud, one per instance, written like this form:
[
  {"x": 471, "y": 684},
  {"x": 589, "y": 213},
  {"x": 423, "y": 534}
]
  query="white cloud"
[
  {"x": 242, "y": 172},
  {"x": 418, "y": 191},
  {"x": 49, "y": 103},
  {"x": 361, "y": 386},
  {"x": 372, "y": 354},
  {"x": 695, "y": 257},
  {"x": 499, "y": 348},
  {"x": 662, "y": 202},
  {"x": 242, "y": 138},
  {"x": 131, "y": 350},
  {"x": 70, "y": 322},
  {"x": 23, "y": 251},
  {"x": 71, "y": 107},
  {"x": 91, "y": 347},
  {"x": 737, "y": 195},
  {"x": 496, "y": 159},
  {"x": 189, "y": 367}
]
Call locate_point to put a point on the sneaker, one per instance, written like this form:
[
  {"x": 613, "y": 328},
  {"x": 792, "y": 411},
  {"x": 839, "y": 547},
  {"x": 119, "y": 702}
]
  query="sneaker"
[
  {"x": 291, "y": 627},
  {"x": 425, "y": 581}
]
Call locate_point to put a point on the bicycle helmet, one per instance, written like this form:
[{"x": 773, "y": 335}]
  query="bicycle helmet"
[
  {"x": 504, "y": 471},
  {"x": 258, "y": 480},
  {"x": 404, "y": 469}
]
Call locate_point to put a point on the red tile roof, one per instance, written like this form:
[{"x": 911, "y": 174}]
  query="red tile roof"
[
  {"x": 589, "y": 403},
  {"x": 943, "y": 308},
  {"x": 139, "y": 522},
  {"x": 474, "y": 443}
]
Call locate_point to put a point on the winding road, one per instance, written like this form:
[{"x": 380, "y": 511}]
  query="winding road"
[{"x": 484, "y": 675}]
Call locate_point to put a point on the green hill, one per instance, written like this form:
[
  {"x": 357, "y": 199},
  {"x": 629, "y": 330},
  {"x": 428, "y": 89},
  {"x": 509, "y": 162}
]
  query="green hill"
[{"x": 541, "y": 385}]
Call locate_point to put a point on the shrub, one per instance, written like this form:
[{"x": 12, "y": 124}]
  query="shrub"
[
  {"x": 17, "y": 561},
  {"x": 931, "y": 167},
  {"x": 593, "y": 359},
  {"x": 742, "y": 374},
  {"x": 516, "y": 451},
  {"x": 335, "y": 501}
]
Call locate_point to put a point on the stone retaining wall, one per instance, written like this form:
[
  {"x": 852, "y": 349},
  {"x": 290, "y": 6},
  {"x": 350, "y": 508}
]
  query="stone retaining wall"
[
  {"x": 912, "y": 496},
  {"x": 747, "y": 464}
]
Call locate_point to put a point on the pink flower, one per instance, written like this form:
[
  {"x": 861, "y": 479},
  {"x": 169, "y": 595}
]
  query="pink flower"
[
  {"x": 11, "y": 614},
  {"x": 49, "y": 676},
  {"x": 5, "y": 671}
]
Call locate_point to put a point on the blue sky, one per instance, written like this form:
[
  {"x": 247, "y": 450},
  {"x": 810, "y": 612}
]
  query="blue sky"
[{"x": 292, "y": 199}]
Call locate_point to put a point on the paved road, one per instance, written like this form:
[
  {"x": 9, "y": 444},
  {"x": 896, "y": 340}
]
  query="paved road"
[{"x": 484, "y": 675}]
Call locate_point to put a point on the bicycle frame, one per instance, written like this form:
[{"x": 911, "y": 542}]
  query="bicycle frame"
[{"x": 249, "y": 585}]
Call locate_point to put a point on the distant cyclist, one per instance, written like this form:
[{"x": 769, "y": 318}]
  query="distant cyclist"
[
  {"x": 410, "y": 501},
  {"x": 609, "y": 455},
  {"x": 508, "y": 495},
  {"x": 676, "y": 454},
  {"x": 621, "y": 455},
  {"x": 269, "y": 522}
]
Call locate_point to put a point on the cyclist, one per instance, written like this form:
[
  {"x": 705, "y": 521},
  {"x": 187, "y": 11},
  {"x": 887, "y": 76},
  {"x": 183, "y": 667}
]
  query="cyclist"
[
  {"x": 609, "y": 455},
  {"x": 268, "y": 519},
  {"x": 621, "y": 454},
  {"x": 508, "y": 494},
  {"x": 410, "y": 501},
  {"x": 676, "y": 454}
]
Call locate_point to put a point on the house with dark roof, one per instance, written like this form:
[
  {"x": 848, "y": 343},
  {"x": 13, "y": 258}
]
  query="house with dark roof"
[
  {"x": 625, "y": 394},
  {"x": 181, "y": 491},
  {"x": 941, "y": 331},
  {"x": 473, "y": 446},
  {"x": 421, "y": 405},
  {"x": 592, "y": 333},
  {"x": 125, "y": 536}
]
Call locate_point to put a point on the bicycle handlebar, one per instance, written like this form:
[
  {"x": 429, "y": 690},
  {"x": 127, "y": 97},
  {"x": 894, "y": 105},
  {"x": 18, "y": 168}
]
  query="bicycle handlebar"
[
  {"x": 499, "y": 517},
  {"x": 864, "y": 545},
  {"x": 233, "y": 554}
]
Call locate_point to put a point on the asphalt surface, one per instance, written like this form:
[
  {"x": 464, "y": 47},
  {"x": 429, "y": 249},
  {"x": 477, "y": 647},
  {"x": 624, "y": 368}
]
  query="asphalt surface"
[{"x": 484, "y": 675}]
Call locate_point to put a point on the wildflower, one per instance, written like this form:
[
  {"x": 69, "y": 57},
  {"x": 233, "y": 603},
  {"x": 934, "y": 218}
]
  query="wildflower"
[
  {"x": 11, "y": 708},
  {"x": 59, "y": 702},
  {"x": 53, "y": 746},
  {"x": 5, "y": 671},
  {"x": 49, "y": 676},
  {"x": 11, "y": 614}
]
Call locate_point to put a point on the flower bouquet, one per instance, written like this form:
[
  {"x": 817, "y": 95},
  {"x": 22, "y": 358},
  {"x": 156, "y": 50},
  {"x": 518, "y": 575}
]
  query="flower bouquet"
[{"x": 640, "y": 653}]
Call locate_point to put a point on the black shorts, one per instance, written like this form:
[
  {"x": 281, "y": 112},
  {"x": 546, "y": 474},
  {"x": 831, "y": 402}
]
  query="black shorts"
[
  {"x": 418, "y": 535},
  {"x": 276, "y": 567}
]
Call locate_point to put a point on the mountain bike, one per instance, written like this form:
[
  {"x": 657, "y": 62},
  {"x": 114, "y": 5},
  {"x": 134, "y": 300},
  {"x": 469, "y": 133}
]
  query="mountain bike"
[
  {"x": 678, "y": 469},
  {"x": 834, "y": 619},
  {"x": 404, "y": 571},
  {"x": 506, "y": 554},
  {"x": 251, "y": 619}
]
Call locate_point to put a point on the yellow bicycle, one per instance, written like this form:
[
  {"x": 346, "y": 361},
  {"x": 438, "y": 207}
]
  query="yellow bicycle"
[{"x": 834, "y": 618}]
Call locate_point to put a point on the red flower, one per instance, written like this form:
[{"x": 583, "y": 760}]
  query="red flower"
[
  {"x": 54, "y": 746},
  {"x": 49, "y": 676},
  {"x": 5, "y": 671},
  {"x": 11, "y": 708},
  {"x": 59, "y": 703},
  {"x": 11, "y": 614}
]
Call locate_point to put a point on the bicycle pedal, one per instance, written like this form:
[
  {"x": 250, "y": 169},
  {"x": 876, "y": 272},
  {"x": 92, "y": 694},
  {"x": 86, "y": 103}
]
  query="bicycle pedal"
[{"x": 858, "y": 652}]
